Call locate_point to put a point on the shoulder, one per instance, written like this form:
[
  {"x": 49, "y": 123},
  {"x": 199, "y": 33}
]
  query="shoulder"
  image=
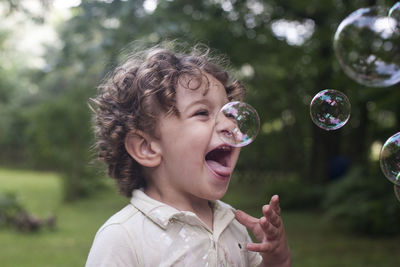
[
  {"x": 121, "y": 217},
  {"x": 114, "y": 242},
  {"x": 116, "y": 228}
]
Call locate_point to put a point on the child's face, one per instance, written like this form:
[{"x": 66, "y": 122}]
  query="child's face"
[{"x": 195, "y": 162}]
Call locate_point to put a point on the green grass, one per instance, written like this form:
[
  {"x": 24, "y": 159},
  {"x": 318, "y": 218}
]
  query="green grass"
[
  {"x": 77, "y": 223},
  {"x": 313, "y": 242}
]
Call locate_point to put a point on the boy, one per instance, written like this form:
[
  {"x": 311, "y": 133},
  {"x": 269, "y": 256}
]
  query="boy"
[{"x": 156, "y": 132}]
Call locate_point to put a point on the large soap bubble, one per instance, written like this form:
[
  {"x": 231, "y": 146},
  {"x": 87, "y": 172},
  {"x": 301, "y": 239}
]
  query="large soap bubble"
[
  {"x": 366, "y": 45},
  {"x": 394, "y": 13},
  {"x": 390, "y": 159},
  {"x": 397, "y": 191}
]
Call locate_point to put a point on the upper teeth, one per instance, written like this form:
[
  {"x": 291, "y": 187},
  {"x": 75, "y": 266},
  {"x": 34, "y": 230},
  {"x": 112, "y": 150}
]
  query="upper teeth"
[{"x": 224, "y": 147}]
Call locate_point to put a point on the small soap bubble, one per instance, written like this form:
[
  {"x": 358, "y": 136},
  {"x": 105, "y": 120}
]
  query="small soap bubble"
[
  {"x": 390, "y": 159},
  {"x": 237, "y": 123},
  {"x": 397, "y": 191},
  {"x": 366, "y": 44},
  {"x": 330, "y": 109}
]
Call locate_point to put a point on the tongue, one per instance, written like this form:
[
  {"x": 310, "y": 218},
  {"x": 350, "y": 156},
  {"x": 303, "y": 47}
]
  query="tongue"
[{"x": 218, "y": 168}]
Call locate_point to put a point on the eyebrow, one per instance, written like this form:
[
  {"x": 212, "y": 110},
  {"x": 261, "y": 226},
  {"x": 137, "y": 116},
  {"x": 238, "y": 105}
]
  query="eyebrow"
[{"x": 204, "y": 101}]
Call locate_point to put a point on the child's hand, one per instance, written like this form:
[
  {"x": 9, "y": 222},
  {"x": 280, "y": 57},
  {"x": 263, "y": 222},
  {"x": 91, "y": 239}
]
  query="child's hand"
[{"x": 269, "y": 231}]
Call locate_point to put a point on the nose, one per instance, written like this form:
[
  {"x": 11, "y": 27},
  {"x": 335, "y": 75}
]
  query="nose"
[{"x": 228, "y": 129}]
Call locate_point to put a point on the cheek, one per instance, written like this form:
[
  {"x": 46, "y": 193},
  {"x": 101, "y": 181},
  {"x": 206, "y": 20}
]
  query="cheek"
[
  {"x": 192, "y": 147},
  {"x": 187, "y": 142},
  {"x": 197, "y": 136},
  {"x": 187, "y": 146}
]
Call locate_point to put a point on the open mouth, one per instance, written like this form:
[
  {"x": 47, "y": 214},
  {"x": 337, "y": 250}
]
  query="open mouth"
[{"x": 218, "y": 160}]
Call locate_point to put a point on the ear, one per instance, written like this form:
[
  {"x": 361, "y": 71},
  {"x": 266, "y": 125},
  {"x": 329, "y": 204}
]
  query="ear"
[{"x": 141, "y": 147}]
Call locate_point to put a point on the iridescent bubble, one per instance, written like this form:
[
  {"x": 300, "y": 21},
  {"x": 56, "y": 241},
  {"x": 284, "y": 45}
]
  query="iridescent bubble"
[
  {"x": 367, "y": 45},
  {"x": 330, "y": 109},
  {"x": 237, "y": 123},
  {"x": 397, "y": 191},
  {"x": 390, "y": 159},
  {"x": 394, "y": 13}
]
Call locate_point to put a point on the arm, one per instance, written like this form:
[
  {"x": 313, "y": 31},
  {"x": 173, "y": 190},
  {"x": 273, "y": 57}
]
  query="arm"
[{"x": 270, "y": 232}]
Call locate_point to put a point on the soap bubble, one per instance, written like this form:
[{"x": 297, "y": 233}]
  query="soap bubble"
[
  {"x": 397, "y": 191},
  {"x": 237, "y": 123},
  {"x": 366, "y": 45},
  {"x": 390, "y": 159},
  {"x": 394, "y": 13},
  {"x": 330, "y": 109}
]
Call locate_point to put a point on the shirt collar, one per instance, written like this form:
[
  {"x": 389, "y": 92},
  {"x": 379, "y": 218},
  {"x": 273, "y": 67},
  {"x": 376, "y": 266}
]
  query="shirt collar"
[
  {"x": 156, "y": 211},
  {"x": 163, "y": 214},
  {"x": 224, "y": 214}
]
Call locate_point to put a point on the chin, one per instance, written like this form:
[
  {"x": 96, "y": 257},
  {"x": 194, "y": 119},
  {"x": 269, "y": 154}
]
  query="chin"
[{"x": 217, "y": 194}]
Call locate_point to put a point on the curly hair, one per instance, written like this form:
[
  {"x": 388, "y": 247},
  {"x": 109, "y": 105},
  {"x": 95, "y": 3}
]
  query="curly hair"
[{"x": 134, "y": 96}]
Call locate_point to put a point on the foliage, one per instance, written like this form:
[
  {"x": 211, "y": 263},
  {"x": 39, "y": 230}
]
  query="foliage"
[
  {"x": 45, "y": 122},
  {"x": 14, "y": 214},
  {"x": 9, "y": 207},
  {"x": 294, "y": 193},
  {"x": 58, "y": 131},
  {"x": 363, "y": 203}
]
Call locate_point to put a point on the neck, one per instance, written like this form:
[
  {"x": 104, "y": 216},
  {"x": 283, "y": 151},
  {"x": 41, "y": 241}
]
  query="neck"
[{"x": 200, "y": 207}]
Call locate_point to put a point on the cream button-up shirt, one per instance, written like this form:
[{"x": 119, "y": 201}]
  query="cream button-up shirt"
[{"x": 150, "y": 233}]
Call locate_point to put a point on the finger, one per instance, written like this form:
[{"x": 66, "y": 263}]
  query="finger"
[
  {"x": 271, "y": 215},
  {"x": 245, "y": 219},
  {"x": 274, "y": 203},
  {"x": 270, "y": 230},
  {"x": 259, "y": 247}
]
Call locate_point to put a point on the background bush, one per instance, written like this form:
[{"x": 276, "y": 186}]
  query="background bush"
[{"x": 363, "y": 202}]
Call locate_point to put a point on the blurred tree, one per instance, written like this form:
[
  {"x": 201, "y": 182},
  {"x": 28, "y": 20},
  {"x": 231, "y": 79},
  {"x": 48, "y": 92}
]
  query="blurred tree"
[
  {"x": 16, "y": 88},
  {"x": 13, "y": 81}
]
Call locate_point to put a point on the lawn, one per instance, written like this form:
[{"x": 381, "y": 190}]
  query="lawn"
[
  {"x": 314, "y": 243},
  {"x": 77, "y": 223}
]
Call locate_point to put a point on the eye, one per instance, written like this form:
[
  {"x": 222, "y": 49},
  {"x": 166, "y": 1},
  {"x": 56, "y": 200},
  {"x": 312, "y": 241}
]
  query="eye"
[
  {"x": 201, "y": 112},
  {"x": 229, "y": 115}
]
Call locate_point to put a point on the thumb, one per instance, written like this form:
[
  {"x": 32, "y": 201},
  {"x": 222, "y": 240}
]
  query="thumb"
[{"x": 245, "y": 219}]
